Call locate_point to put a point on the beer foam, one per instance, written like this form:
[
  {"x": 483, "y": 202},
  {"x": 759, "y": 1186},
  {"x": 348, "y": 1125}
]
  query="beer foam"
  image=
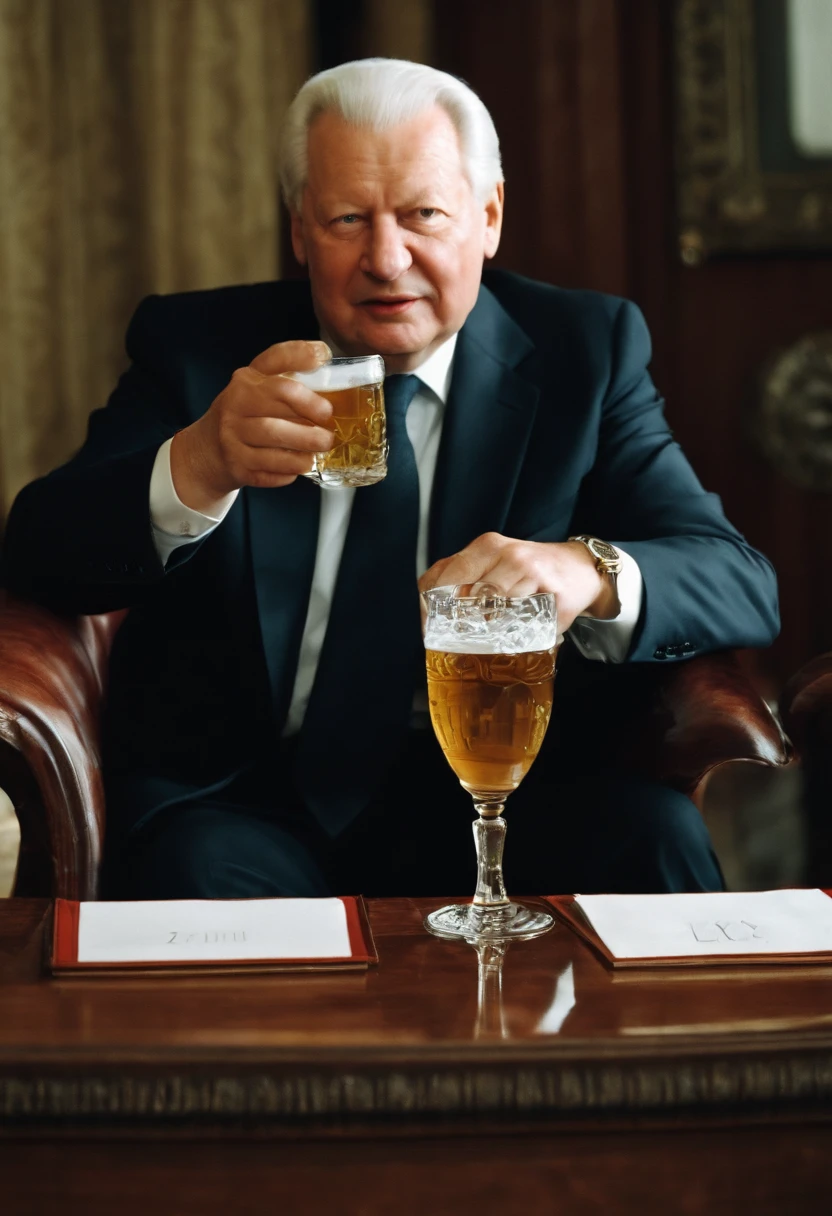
[
  {"x": 514, "y": 636},
  {"x": 341, "y": 375}
]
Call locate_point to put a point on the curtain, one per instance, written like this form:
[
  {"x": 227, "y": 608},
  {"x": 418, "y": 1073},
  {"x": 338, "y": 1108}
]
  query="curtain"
[{"x": 138, "y": 144}]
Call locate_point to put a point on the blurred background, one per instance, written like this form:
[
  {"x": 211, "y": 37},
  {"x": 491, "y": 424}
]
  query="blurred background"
[{"x": 678, "y": 152}]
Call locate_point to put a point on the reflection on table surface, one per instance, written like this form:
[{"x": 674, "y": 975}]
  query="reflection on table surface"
[{"x": 545, "y": 992}]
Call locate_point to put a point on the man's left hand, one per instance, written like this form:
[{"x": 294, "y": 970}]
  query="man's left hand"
[{"x": 525, "y": 567}]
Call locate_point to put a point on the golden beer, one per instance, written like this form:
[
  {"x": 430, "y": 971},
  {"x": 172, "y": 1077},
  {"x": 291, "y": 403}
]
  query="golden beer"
[
  {"x": 360, "y": 451},
  {"x": 490, "y": 713},
  {"x": 354, "y": 386}
]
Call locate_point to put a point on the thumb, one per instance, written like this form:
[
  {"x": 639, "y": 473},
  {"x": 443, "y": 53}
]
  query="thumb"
[{"x": 291, "y": 357}]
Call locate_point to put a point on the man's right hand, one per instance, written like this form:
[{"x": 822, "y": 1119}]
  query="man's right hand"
[{"x": 261, "y": 430}]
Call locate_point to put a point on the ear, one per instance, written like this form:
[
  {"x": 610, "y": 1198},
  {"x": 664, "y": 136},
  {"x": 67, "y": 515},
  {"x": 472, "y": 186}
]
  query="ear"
[
  {"x": 298, "y": 238},
  {"x": 493, "y": 220}
]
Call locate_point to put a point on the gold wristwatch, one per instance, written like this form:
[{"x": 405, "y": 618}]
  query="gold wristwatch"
[{"x": 606, "y": 557}]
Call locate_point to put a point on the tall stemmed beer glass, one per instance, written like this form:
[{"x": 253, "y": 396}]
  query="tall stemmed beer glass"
[{"x": 491, "y": 670}]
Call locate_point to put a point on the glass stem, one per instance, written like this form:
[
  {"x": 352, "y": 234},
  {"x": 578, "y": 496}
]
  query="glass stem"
[{"x": 489, "y": 835}]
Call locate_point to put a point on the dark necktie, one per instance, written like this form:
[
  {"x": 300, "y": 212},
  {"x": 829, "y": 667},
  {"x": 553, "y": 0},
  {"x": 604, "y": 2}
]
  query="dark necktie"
[{"x": 363, "y": 691}]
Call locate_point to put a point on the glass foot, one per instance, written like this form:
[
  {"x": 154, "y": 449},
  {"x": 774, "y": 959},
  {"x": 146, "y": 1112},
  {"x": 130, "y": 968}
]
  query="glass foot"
[{"x": 470, "y": 923}]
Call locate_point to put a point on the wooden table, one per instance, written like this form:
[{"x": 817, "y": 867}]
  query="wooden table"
[{"x": 415, "y": 1087}]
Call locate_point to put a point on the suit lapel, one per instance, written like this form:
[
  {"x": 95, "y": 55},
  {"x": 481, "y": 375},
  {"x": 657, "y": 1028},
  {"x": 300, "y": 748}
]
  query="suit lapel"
[{"x": 488, "y": 420}]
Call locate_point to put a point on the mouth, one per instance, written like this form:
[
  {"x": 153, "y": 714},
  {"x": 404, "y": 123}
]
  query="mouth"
[{"x": 388, "y": 306}]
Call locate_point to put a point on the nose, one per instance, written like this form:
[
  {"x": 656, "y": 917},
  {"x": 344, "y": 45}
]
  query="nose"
[{"x": 386, "y": 256}]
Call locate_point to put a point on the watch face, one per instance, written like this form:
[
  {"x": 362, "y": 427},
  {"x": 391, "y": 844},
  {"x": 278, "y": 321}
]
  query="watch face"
[{"x": 601, "y": 549}]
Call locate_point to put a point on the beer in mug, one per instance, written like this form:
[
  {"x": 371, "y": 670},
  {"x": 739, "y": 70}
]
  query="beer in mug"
[{"x": 355, "y": 388}]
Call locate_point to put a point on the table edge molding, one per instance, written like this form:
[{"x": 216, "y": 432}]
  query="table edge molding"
[{"x": 572, "y": 1089}]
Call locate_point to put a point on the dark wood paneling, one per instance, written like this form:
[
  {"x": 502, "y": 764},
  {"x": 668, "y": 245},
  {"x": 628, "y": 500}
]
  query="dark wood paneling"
[
  {"x": 714, "y": 327},
  {"x": 582, "y": 94},
  {"x": 719, "y": 1171},
  {"x": 549, "y": 74}
]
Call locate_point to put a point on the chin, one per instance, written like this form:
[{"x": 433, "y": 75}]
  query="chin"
[{"x": 388, "y": 340}]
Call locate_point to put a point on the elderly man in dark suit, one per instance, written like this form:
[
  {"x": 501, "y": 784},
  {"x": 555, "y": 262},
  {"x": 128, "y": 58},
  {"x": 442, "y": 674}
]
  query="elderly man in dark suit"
[{"x": 265, "y": 729}]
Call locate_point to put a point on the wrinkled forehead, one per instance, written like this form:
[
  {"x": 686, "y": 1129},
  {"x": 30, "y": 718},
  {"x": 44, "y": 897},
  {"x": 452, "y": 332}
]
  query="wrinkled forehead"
[{"x": 422, "y": 151}]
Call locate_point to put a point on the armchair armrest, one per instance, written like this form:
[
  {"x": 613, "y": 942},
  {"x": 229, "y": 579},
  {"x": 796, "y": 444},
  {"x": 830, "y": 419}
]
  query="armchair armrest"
[
  {"x": 700, "y": 714},
  {"x": 52, "y": 680},
  {"x": 806, "y": 709},
  {"x": 807, "y": 699}
]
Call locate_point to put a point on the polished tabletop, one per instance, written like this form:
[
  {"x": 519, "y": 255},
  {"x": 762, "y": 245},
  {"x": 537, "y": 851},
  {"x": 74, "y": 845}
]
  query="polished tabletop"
[{"x": 544, "y": 1025}]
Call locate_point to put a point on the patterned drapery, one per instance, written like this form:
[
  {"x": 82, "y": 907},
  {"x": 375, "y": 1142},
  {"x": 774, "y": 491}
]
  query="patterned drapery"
[{"x": 138, "y": 147}]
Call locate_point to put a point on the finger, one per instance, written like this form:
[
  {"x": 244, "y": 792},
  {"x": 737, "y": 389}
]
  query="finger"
[
  {"x": 462, "y": 567},
  {"x": 291, "y": 357},
  {"x": 433, "y": 576},
  {"x": 515, "y": 571},
  {"x": 505, "y": 566},
  {"x": 466, "y": 566},
  {"x": 269, "y": 481},
  {"x": 513, "y": 584},
  {"x": 449, "y": 572},
  {"x": 254, "y": 395},
  {"x": 284, "y": 433},
  {"x": 273, "y": 462},
  {"x": 301, "y": 401}
]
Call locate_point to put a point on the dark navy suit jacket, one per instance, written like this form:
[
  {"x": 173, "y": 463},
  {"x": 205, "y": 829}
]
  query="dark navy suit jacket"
[{"x": 552, "y": 427}]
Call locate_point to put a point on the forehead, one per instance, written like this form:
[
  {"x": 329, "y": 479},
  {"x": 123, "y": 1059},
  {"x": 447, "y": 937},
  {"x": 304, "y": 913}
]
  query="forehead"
[{"x": 422, "y": 153}]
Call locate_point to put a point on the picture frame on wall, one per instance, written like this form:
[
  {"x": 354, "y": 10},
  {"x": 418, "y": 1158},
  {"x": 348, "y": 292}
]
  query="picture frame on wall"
[{"x": 753, "y": 126}]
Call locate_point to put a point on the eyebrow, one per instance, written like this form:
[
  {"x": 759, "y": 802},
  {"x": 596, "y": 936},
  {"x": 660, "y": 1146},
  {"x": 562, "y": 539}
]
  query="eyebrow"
[{"x": 429, "y": 197}]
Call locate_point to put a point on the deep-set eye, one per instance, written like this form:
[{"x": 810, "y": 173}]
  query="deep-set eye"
[{"x": 427, "y": 213}]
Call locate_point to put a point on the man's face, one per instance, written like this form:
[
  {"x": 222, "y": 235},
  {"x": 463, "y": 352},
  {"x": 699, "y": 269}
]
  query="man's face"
[{"x": 393, "y": 236}]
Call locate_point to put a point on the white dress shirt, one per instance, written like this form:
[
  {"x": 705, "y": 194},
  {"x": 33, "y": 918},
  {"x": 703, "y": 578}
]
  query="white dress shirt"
[{"x": 174, "y": 524}]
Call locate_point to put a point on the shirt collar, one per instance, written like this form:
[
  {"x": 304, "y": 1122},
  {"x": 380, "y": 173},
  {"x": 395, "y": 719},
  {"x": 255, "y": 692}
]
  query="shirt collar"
[{"x": 436, "y": 371}]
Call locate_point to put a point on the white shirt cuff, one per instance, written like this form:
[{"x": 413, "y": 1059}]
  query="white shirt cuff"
[
  {"x": 609, "y": 641},
  {"x": 174, "y": 524}
]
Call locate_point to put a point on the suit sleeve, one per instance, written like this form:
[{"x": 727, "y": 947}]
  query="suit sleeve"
[
  {"x": 705, "y": 587},
  {"x": 80, "y": 539}
]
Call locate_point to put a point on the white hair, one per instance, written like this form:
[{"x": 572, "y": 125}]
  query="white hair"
[{"x": 381, "y": 93}]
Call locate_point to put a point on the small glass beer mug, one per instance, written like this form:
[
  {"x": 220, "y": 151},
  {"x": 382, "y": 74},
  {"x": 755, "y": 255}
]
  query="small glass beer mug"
[
  {"x": 491, "y": 672},
  {"x": 355, "y": 387}
]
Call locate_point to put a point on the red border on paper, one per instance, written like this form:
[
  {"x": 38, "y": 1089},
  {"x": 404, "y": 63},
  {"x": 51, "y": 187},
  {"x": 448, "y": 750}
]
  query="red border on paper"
[{"x": 65, "y": 945}]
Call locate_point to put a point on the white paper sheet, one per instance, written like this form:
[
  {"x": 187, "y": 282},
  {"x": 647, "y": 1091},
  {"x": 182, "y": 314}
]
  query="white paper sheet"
[
  {"x": 732, "y": 922},
  {"x": 189, "y": 930}
]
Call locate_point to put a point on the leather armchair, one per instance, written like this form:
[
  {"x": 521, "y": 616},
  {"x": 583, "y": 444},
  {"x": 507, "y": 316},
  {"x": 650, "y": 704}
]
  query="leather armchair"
[
  {"x": 673, "y": 722},
  {"x": 806, "y": 699},
  {"x": 52, "y": 680},
  {"x": 806, "y": 711}
]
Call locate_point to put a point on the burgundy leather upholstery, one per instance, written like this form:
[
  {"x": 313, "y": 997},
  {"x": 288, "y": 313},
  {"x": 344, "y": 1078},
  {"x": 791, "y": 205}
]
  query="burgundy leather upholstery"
[
  {"x": 700, "y": 714},
  {"x": 689, "y": 717},
  {"x": 806, "y": 710},
  {"x": 807, "y": 698},
  {"x": 52, "y": 678}
]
